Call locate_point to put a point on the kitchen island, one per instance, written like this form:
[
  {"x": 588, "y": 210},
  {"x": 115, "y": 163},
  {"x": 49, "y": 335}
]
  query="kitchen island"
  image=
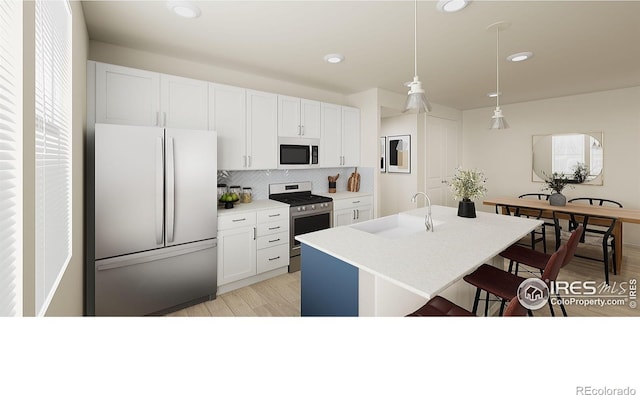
[{"x": 392, "y": 265}]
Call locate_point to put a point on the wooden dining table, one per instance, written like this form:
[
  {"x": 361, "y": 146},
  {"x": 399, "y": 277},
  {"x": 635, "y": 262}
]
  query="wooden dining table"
[{"x": 621, "y": 214}]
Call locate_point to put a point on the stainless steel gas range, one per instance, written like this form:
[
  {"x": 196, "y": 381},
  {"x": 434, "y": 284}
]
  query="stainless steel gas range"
[{"x": 307, "y": 213}]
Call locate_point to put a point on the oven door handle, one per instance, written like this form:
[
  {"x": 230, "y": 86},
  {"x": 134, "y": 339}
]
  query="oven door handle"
[{"x": 295, "y": 248}]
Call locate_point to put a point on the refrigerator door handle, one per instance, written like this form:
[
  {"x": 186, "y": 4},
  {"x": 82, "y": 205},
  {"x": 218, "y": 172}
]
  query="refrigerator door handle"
[
  {"x": 159, "y": 190},
  {"x": 171, "y": 184}
]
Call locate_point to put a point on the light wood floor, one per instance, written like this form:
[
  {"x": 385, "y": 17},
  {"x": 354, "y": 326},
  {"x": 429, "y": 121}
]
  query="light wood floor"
[{"x": 280, "y": 296}]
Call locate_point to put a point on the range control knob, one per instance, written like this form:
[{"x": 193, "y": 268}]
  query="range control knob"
[
  {"x": 298, "y": 209},
  {"x": 304, "y": 208},
  {"x": 313, "y": 207}
]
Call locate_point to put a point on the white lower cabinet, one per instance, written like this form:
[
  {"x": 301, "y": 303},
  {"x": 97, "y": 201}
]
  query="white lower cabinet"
[
  {"x": 251, "y": 246},
  {"x": 353, "y": 210},
  {"x": 236, "y": 247}
]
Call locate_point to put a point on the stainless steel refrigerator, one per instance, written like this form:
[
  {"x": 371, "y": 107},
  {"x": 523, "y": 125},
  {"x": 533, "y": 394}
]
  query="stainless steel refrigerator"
[{"x": 155, "y": 218}]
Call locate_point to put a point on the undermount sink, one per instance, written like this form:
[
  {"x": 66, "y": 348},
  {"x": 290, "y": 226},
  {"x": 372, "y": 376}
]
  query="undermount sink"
[{"x": 395, "y": 226}]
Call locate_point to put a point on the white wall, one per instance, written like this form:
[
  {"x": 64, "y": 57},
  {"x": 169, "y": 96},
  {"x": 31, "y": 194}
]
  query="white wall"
[{"x": 505, "y": 155}]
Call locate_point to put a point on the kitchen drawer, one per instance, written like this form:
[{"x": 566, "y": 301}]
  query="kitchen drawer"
[
  {"x": 340, "y": 204},
  {"x": 270, "y": 228},
  {"x": 272, "y": 258},
  {"x": 273, "y": 240},
  {"x": 275, "y": 214},
  {"x": 237, "y": 220}
]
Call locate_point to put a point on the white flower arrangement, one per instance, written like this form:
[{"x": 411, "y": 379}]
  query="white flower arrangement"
[{"x": 468, "y": 184}]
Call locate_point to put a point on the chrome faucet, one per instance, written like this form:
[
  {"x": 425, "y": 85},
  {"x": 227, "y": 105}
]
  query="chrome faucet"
[{"x": 428, "y": 221}]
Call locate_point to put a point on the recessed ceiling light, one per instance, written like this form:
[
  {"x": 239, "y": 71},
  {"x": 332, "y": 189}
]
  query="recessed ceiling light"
[
  {"x": 452, "y": 5},
  {"x": 520, "y": 56},
  {"x": 333, "y": 58},
  {"x": 185, "y": 9}
]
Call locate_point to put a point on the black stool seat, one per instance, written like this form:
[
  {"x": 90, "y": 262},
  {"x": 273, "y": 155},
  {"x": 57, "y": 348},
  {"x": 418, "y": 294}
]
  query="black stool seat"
[{"x": 439, "y": 306}]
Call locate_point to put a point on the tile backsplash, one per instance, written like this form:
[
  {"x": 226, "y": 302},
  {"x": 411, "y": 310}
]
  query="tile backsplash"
[{"x": 259, "y": 180}]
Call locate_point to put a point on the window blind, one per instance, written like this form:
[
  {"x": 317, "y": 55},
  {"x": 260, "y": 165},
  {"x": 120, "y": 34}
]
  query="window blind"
[
  {"x": 10, "y": 158},
  {"x": 53, "y": 147}
]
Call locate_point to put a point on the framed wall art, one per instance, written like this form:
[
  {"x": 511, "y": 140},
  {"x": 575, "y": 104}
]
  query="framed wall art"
[
  {"x": 398, "y": 154},
  {"x": 382, "y": 148}
]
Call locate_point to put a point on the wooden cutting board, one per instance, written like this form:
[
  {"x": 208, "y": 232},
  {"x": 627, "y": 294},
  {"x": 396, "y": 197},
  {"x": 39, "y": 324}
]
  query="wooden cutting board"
[{"x": 353, "y": 184}]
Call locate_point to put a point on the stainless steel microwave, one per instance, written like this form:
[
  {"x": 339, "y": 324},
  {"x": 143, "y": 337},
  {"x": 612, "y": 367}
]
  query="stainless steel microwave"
[{"x": 298, "y": 153}]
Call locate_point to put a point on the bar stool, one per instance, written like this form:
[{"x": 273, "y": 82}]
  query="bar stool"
[
  {"x": 505, "y": 285},
  {"x": 538, "y": 260},
  {"x": 441, "y": 307}
]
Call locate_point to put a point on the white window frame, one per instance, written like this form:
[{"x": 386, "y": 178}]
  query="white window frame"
[{"x": 53, "y": 147}]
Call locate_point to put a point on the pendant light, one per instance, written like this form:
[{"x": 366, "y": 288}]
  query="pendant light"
[
  {"x": 497, "y": 120},
  {"x": 416, "y": 99}
]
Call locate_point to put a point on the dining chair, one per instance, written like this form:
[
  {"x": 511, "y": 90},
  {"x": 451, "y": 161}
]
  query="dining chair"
[
  {"x": 598, "y": 231},
  {"x": 526, "y": 213},
  {"x": 441, "y": 307},
  {"x": 504, "y": 285},
  {"x": 538, "y": 235},
  {"x": 535, "y": 259},
  {"x": 596, "y": 201}
]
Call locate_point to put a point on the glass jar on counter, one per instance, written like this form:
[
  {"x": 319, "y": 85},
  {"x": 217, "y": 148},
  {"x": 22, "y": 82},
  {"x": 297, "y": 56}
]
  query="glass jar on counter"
[
  {"x": 246, "y": 195},
  {"x": 235, "y": 191}
]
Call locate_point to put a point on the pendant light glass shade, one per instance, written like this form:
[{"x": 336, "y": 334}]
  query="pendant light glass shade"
[
  {"x": 416, "y": 99},
  {"x": 497, "y": 120}
]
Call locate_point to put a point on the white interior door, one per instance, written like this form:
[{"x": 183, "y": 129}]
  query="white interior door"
[{"x": 443, "y": 137}]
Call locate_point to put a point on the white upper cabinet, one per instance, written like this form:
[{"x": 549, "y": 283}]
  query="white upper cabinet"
[
  {"x": 298, "y": 117},
  {"x": 228, "y": 117},
  {"x": 340, "y": 136},
  {"x": 130, "y": 96},
  {"x": 350, "y": 136},
  {"x": 262, "y": 130},
  {"x": 331, "y": 142},
  {"x": 184, "y": 102},
  {"x": 127, "y": 96}
]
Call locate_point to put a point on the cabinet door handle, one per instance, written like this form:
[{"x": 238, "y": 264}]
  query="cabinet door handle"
[
  {"x": 274, "y": 215},
  {"x": 302, "y": 129},
  {"x": 274, "y": 228},
  {"x": 299, "y": 130},
  {"x": 254, "y": 233},
  {"x": 357, "y": 214},
  {"x": 238, "y": 220},
  {"x": 249, "y": 158},
  {"x": 354, "y": 215},
  {"x": 356, "y": 202},
  {"x": 273, "y": 259},
  {"x": 274, "y": 240}
]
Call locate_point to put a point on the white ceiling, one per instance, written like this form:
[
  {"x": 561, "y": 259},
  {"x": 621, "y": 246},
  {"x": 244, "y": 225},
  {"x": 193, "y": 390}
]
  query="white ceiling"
[{"x": 579, "y": 46}]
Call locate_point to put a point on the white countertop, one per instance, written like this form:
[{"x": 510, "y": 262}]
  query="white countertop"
[
  {"x": 255, "y": 205},
  {"x": 426, "y": 262},
  {"x": 344, "y": 194}
]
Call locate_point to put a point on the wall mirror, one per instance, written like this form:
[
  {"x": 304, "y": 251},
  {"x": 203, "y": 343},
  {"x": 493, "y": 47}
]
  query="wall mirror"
[{"x": 579, "y": 156}]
